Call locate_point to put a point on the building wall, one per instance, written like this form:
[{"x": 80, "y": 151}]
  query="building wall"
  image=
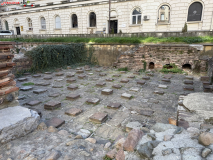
[{"x": 178, "y": 14}]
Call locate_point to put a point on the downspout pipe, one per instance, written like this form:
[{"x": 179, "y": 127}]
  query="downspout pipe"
[{"x": 211, "y": 28}]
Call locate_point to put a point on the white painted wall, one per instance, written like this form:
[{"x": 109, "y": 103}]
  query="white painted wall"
[{"x": 179, "y": 11}]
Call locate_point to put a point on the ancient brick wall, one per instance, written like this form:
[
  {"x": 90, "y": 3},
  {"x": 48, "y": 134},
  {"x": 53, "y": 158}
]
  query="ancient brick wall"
[
  {"x": 8, "y": 89},
  {"x": 159, "y": 55}
]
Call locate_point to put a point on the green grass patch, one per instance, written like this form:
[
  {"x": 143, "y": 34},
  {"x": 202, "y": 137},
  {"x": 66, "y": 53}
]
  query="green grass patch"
[
  {"x": 118, "y": 40},
  {"x": 106, "y": 158},
  {"x": 28, "y": 84},
  {"x": 166, "y": 69},
  {"x": 123, "y": 69}
]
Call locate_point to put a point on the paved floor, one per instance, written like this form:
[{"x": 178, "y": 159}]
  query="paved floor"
[{"x": 147, "y": 105}]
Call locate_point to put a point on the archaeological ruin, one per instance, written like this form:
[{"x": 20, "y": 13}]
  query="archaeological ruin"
[{"x": 124, "y": 108}]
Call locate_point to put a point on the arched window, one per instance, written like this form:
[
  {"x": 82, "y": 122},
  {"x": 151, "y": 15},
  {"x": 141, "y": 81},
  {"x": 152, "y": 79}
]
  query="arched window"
[
  {"x": 43, "y": 23},
  {"x": 30, "y": 24},
  {"x": 195, "y": 12},
  {"x": 92, "y": 19},
  {"x": 57, "y": 22},
  {"x": 74, "y": 21},
  {"x": 136, "y": 16},
  {"x": 164, "y": 14},
  {"x": 6, "y": 25}
]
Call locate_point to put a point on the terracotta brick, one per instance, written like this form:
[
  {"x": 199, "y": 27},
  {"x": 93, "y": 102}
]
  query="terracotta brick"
[
  {"x": 3, "y": 65},
  {"x": 11, "y": 90},
  {"x": 3, "y": 73},
  {"x": 11, "y": 64}
]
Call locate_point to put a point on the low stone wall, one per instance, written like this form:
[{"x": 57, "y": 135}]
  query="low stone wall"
[
  {"x": 133, "y": 56},
  {"x": 156, "y": 56},
  {"x": 141, "y": 34}
]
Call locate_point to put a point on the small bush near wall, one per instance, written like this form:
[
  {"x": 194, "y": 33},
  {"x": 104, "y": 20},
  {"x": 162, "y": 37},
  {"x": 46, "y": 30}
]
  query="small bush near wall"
[{"x": 53, "y": 56}]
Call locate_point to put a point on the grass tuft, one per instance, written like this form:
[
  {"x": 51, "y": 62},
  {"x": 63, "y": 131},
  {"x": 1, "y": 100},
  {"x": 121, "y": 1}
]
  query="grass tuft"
[{"x": 28, "y": 84}]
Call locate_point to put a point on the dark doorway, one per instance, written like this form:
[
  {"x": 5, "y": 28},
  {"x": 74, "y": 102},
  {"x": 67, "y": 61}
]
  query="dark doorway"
[
  {"x": 114, "y": 27},
  {"x": 187, "y": 66},
  {"x": 18, "y": 31},
  {"x": 151, "y": 65}
]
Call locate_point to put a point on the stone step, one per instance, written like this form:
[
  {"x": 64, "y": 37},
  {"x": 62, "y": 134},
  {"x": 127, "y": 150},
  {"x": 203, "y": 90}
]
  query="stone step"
[
  {"x": 207, "y": 88},
  {"x": 204, "y": 78}
]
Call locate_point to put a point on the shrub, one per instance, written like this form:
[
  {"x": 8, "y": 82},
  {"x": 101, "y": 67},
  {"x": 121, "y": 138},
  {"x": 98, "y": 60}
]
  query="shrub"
[
  {"x": 123, "y": 69},
  {"x": 54, "y": 56},
  {"x": 185, "y": 28}
]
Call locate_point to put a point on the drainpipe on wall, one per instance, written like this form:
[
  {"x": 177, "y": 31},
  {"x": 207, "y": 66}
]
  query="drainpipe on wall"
[{"x": 211, "y": 22}]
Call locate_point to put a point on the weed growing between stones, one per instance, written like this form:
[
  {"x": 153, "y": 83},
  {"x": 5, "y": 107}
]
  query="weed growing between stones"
[
  {"x": 28, "y": 84},
  {"x": 173, "y": 69},
  {"x": 123, "y": 69}
]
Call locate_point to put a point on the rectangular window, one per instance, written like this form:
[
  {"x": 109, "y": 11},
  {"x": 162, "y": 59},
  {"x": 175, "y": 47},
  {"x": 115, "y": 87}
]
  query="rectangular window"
[
  {"x": 133, "y": 19},
  {"x": 43, "y": 23},
  {"x": 139, "y": 19}
]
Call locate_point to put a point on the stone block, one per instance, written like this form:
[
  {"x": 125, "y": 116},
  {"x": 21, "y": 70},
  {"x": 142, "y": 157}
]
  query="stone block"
[
  {"x": 39, "y": 91},
  {"x": 135, "y": 89},
  {"x": 107, "y": 91},
  {"x": 74, "y": 111},
  {"x": 116, "y": 75},
  {"x": 47, "y": 72},
  {"x": 204, "y": 78},
  {"x": 145, "y": 112},
  {"x": 82, "y": 76},
  {"x": 102, "y": 74},
  {"x": 163, "y": 86},
  {"x": 79, "y": 71},
  {"x": 71, "y": 80},
  {"x": 59, "y": 74},
  {"x": 51, "y": 105},
  {"x": 189, "y": 78},
  {"x": 133, "y": 125},
  {"x": 55, "y": 122},
  {"x": 22, "y": 79},
  {"x": 124, "y": 81},
  {"x": 26, "y": 88},
  {"x": 117, "y": 86},
  {"x": 72, "y": 87},
  {"x": 33, "y": 103},
  {"x": 93, "y": 101},
  {"x": 114, "y": 105},
  {"x": 73, "y": 96},
  {"x": 98, "y": 117},
  {"x": 207, "y": 88},
  {"x": 131, "y": 76},
  {"x": 36, "y": 76},
  {"x": 159, "y": 92},
  {"x": 54, "y": 95},
  {"x": 146, "y": 78},
  {"x": 48, "y": 77},
  {"x": 70, "y": 75},
  {"x": 17, "y": 122},
  {"x": 127, "y": 96},
  {"x": 109, "y": 79},
  {"x": 188, "y": 82},
  {"x": 100, "y": 84},
  {"x": 141, "y": 82},
  {"x": 166, "y": 80},
  {"x": 188, "y": 88}
]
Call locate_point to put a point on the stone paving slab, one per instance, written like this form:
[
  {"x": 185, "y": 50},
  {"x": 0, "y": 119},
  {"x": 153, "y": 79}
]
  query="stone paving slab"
[
  {"x": 107, "y": 91},
  {"x": 93, "y": 101},
  {"x": 73, "y": 96},
  {"x": 22, "y": 79},
  {"x": 141, "y": 82},
  {"x": 36, "y": 76},
  {"x": 124, "y": 81},
  {"x": 109, "y": 79},
  {"x": 47, "y": 77},
  {"x": 98, "y": 117},
  {"x": 71, "y": 80},
  {"x": 55, "y": 122},
  {"x": 100, "y": 84},
  {"x": 51, "y": 105},
  {"x": 39, "y": 91},
  {"x": 126, "y": 95},
  {"x": 74, "y": 111},
  {"x": 59, "y": 74},
  {"x": 117, "y": 86},
  {"x": 114, "y": 105},
  {"x": 72, "y": 87},
  {"x": 26, "y": 88},
  {"x": 34, "y": 103}
]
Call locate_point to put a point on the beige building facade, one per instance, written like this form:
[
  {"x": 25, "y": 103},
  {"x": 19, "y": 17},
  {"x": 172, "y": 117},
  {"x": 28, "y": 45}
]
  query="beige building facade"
[{"x": 127, "y": 16}]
